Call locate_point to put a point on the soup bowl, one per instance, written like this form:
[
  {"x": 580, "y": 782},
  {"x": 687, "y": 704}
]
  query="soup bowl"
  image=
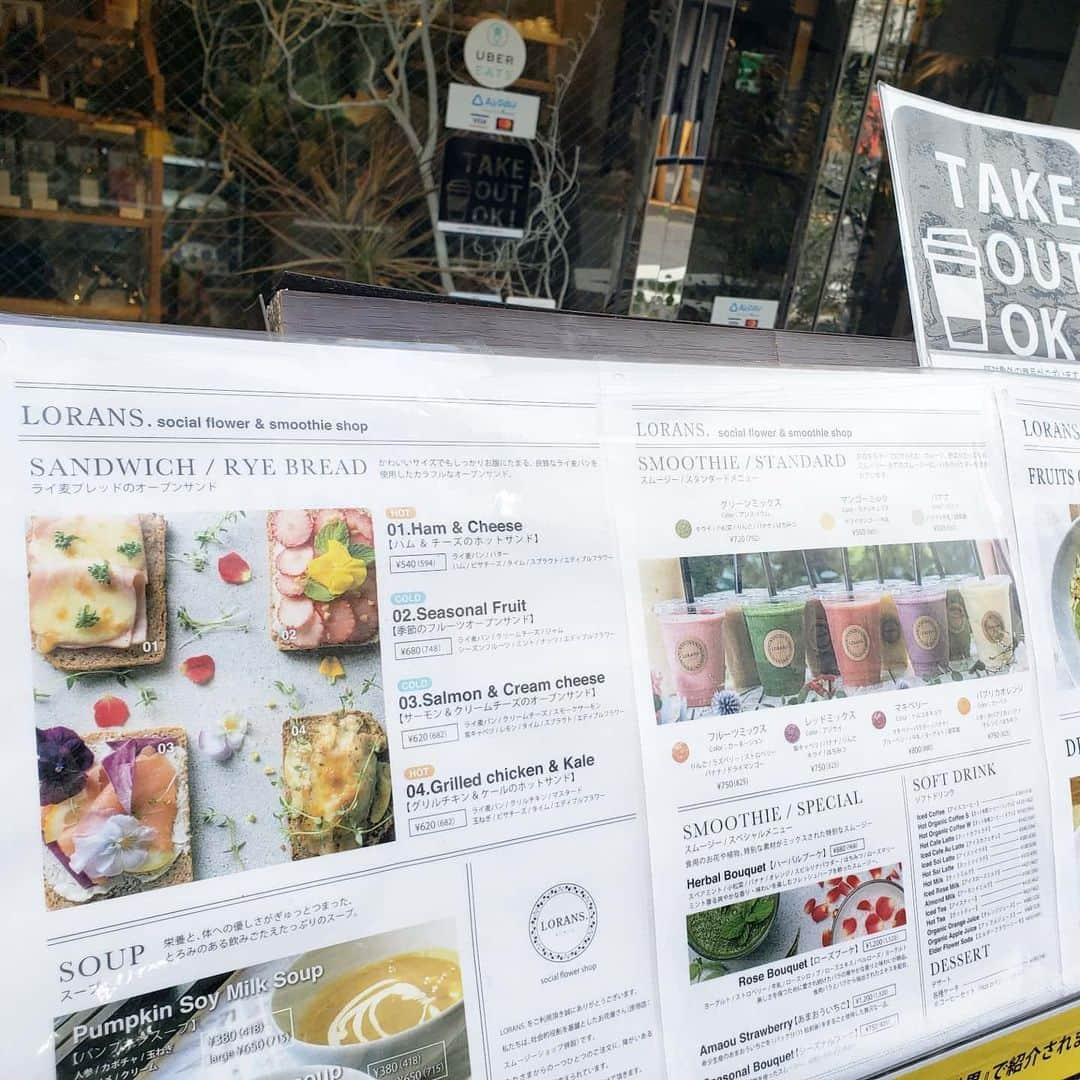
[{"x": 425, "y": 1045}]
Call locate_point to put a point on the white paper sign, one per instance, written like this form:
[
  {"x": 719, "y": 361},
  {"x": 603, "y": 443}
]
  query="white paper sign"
[
  {"x": 470, "y": 108},
  {"x": 989, "y": 211},
  {"x": 494, "y": 53},
  {"x": 744, "y": 311}
]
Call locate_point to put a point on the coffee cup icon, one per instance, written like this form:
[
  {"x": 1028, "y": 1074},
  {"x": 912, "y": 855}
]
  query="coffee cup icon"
[{"x": 956, "y": 278}]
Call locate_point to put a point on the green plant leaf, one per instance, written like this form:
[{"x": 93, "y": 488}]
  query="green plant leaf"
[
  {"x": 794, "y": 946},
  {"x": 313, "y": 590},
  {"x": 332, "y": 530},
  {"x": 363, "y": 552}
]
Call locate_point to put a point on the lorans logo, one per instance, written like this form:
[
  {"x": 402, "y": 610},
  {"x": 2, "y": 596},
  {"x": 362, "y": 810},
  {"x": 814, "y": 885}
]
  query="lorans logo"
[
  {"x": 993, "y": 627},
  {"x": 562, "y": 923},
  {"x": 692, "y": 653}
]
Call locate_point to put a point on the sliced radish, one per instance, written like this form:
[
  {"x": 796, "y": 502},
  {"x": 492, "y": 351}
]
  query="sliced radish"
[
  {"x": 340, "y": 622},
  {"x": 361, "y": 530},
  {"x": 826, "y": 938},
  {"x": 288, "y": 585},
  {"x": 873, "y": 923},
  {"x": 309, "y": 636},
  {"x": 324, "y": 517},
  {"x": 294, "y": 560},
  {"x": 850, "y": 926},
  {"x": 809, "y": 905},
  {"x": 852, "y": 880},
  {"x": 884, "y": 908},
  {"x": 295, "y": 611},
  {"x": 901, "y": 917},
  {"x": 820, "y": 913},
  {"x": 865, "y": 905},
  {"x": 292, "y": 527}
]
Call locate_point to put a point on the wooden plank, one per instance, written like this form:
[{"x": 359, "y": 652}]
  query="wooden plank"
[
  {"x": 26, "y": 305},
  {"x": 55, "y": 111},
  {"x": 75, "y": 217}
]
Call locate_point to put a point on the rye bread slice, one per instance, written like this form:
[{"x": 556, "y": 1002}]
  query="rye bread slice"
[
  {"x": 181, "y": 869},
  {"x": 275, "y": 637},
  {"x": 102, "y": 658},
  {"x": 298, "y": 731}
]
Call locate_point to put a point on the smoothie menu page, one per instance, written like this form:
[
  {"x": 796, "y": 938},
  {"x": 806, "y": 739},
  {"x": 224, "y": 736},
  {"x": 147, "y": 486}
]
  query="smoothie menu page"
[
  {"x": 1042, "y": 441},
  {"x": 318, "y": 672},
  {"x": 837, "y": 715}
]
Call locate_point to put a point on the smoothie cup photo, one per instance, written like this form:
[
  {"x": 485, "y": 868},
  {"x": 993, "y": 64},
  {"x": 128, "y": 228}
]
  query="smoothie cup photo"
[
  {"x": 820, "y": 657},
  {"x": 959, "y": 625},
  {"x": 855, "y": 627},
  {"x": 989, "y": 610},
  {"x": 739, "y": 659},
  {"x": 694, "y": 643},
  {"x": 777, "y": 635},
  {"x": 924, "y": 619},
  {"x": 894, "y": 652}
]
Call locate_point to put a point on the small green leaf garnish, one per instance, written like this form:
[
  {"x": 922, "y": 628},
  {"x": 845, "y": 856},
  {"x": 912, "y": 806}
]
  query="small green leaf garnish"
[
  {"x": 129, "y": 548},
  {"x": 86, "y": 618},
  {"x": 63, "y": 540},
  {"x": 100, "y": 572}
]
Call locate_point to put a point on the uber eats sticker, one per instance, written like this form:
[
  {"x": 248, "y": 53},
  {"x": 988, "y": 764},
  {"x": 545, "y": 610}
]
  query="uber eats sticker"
[{"x": 990, "y": 218}]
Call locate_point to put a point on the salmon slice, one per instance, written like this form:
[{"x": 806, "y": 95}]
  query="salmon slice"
[{"x": 153, "y": 800}]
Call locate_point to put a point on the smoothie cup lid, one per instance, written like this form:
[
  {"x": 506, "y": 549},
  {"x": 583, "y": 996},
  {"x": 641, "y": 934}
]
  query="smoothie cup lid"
[
  {"x": 861, "y": 592},
  {"x": 990, "y": 581},
  {"x": 780, "y": 600},
  {"x": 695, "y": 607},
  {"x": 928, "y": 590}
]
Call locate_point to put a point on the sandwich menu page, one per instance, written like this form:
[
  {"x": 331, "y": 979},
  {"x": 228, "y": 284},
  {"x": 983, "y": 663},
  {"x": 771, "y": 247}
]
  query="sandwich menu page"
[
  {"x": 838, "y": 720},
  {"x": 404, "y": 715},
  {"x": 321, "y": 656}
]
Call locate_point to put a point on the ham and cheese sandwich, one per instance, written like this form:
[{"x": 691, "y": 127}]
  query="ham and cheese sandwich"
[{"x": 97, "y": 590}]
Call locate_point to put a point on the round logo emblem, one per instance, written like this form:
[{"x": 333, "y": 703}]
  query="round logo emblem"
[
  {"x": 680, "y": 753},
  {"x": 958, "y": 620},
  {"x": 792, "y": 733},
  {"x": 494, "y": 53},
  {"x": 562, "y": 923},
  {"x": 926, "y": 632},
  {"x": 683, "y": 528},
  {"x": 779, "y": 648},
  {"x": 890, "y": 630},
  {"x": 993, "y": 627},
  {"x": 855, "y": 642},
  {"x": 692, "y": 654},
  {"x": 878, "y": 720}
]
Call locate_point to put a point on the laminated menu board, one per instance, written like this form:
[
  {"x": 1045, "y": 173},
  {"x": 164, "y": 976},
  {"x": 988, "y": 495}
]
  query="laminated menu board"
[
  {"x": 376, "y": 713},
  {"x": 989, "y": 213},
  {"x": 320, "y": 653},
  {"x": 1041, "y": 431},
  {"x": 838, "y": 718}
]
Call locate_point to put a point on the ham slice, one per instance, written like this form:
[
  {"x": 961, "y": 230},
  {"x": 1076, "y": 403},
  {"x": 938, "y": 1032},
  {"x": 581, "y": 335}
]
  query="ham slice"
[{"x": 60, "y": 583}]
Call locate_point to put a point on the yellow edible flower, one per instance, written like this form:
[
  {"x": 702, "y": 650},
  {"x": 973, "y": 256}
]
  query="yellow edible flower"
[
  {"x": 332, "y": 668},
  {"x": 336, "y": 570}
]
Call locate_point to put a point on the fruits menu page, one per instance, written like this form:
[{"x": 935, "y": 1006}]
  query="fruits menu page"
[
  {"x": 321, "y": 656},
  {"x": 838, "y": 718},
  {"x": 1041, "y": 429}
]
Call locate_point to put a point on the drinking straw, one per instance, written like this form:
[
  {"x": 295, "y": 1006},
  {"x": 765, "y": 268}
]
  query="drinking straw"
[
  {"x": 687, "y": 581},
  {"x": 978, "y": 560},
  {"x": 738, "y": 577},
  {"x": 877, "y": 564},
  {"x": 937, "y": 560},
  {"x": 846, "y": 565},
  {"x": 809, "y": 572},
  {"x": 915, "y": 562},
  {"x": 770, "y": 580}
]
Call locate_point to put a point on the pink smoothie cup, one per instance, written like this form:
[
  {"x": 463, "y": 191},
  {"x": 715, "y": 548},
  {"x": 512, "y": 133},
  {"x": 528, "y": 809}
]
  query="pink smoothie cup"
[
  {"x": 924, "y": 617},
  {"x": 855, "y": 628},
  {"x": 694, "y": 640}
]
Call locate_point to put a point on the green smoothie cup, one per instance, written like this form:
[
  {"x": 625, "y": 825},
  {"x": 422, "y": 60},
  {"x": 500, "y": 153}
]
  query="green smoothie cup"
[{"x": 777, "y": 636}]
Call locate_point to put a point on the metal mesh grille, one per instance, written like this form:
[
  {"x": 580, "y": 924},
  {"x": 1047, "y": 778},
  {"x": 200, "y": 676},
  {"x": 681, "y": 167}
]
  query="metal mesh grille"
[{"x": 163, "y": 161}]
